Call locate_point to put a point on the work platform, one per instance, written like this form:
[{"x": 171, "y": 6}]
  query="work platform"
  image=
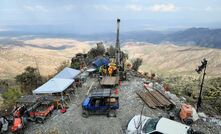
[{"x": 110, "y": 81}]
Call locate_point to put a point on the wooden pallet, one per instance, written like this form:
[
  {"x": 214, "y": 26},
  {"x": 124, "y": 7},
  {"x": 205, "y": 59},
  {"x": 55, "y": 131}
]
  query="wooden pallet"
[
  {"x": 155, "y": 99},
  {"x": 147, "y": 99}
]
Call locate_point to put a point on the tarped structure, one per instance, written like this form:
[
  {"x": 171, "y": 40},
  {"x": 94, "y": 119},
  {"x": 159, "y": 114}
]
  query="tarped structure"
[
  {"x": 68, "y": 73},
  {"x": 100, "y": 61},
  {"x": 55, "y": 85}
]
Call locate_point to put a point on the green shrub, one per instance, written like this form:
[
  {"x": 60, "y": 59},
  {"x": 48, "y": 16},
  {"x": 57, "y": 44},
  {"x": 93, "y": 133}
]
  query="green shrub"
[
  {"x": 136, "y": 63},
  {"x": 29, "y": 79},
  {"x": 189, "y": 88},
  {"x": 98, "y": 51},
  {"x": 11, "y": 95}
]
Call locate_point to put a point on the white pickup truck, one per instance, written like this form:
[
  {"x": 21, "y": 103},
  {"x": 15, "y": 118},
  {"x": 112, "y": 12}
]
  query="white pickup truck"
[{"x": 147, "y": 125}]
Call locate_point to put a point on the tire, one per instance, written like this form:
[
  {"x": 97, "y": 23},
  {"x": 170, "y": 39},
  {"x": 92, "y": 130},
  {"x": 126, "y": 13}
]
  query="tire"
[
  {"x": 188, "y": 121},
  {"x": 21, "y": 131},
  {"x": 40, "y": 120},
  {"x": 50, "y": 113},
  {"x": 85, "y": 114},
  {"x": 112, "y": 113}
]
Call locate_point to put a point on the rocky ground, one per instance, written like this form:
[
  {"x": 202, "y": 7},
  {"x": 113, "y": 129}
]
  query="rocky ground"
[{"x": 130, "y": 104}]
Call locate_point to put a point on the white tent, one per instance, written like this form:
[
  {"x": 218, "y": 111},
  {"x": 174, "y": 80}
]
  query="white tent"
[
  {"x": 54, "y": 85},
  {"x": 68, "y": 73}
]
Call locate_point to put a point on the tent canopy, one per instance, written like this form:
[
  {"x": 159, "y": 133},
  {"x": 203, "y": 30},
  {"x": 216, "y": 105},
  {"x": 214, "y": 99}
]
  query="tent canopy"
[
  {"x": 54, "y": 85},
  {"x": 100, "y": 62},
  {"x": 68, "y": 73}
]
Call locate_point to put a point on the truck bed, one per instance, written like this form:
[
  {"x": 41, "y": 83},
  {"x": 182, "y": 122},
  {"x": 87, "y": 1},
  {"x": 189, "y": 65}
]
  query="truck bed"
[{"x": 42, "y": 111}]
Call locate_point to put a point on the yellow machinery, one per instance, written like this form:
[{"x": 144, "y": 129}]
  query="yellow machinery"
[{"x": 112, "y": 68}]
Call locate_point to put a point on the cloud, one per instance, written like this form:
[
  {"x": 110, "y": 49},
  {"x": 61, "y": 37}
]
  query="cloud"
[
  {"x": 4, "y": 29},
  {"x": 134, "y": 7},
  {"x": 131, "y": 7},
  {"x": 35, "y": 8},
  {"x": 102, "y": 7},
  {"x": 163, "y": 8},
  {"x": 69, "y": 7}
]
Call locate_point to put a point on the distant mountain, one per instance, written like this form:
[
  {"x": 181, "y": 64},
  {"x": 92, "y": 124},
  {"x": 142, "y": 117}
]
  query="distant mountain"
[
  {"x": 204, "y": 37},
  {"x": 143, "y": 36},
  {"x": 197, "y": 36}
]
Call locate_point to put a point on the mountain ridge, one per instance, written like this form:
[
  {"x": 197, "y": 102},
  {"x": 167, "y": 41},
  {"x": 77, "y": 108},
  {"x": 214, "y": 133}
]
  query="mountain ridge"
[{"x": 203, "y": 37}]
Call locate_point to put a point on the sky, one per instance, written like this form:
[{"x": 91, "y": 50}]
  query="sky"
[{"x": 97, "y": 16}]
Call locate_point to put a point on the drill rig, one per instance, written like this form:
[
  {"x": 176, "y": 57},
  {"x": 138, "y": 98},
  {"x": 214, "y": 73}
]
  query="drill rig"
[{"x": 119, "y": 55}]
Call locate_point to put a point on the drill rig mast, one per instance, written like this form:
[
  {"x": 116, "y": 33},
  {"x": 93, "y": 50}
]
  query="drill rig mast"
[
  {"x": 117, "y": 46},
  {"x": 119, "y": 54}
]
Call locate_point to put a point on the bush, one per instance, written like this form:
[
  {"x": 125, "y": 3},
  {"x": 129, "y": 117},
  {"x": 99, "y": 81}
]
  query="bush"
[
  {"x": 136, "y": 63},
  {"x": 11, "y": 95},
  {"x": 75, "y": 65},
  {"x": 29, "y": 79},
  {"x": 111, "y": 51},
  {"x": 98, "y": 51},
  {"x": 189, "y": 88}
]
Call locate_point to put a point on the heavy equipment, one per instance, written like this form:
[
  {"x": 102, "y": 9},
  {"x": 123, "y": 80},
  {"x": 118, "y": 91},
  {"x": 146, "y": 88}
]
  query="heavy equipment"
[
  {"x": 119, "y": 55},
  {"x": 36, "y": 107},
  {"x": 186, "y": 113},
  {"x": 19, "y": 120}
]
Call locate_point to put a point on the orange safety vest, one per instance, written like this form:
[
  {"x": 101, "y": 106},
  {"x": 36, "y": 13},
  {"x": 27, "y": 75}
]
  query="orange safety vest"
[{"x": 110, "y": 70}]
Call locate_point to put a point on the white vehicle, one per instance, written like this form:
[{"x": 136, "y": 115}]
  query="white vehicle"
[{"x": 147, "y": 125}]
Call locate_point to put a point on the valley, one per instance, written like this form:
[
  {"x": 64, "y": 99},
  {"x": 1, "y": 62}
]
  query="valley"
[{"x": 49, "y": 53}]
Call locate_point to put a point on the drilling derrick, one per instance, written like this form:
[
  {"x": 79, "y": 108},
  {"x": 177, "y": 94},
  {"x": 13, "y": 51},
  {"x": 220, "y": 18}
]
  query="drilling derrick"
[
  {"x": 119, "y": 55},
  {"x": 117, "y": 46}
]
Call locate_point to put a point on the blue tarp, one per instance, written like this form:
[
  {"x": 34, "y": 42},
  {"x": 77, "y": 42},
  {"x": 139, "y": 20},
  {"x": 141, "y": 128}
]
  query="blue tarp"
[
  {"x": 100, "y": 62},
  {"x": 68, "y": 73},
  {"x": 54, "y": 85}
]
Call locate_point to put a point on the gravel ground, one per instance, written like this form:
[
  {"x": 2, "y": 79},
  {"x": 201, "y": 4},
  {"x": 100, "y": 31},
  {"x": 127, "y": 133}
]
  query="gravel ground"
[{"x": 72, "y": 122}]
